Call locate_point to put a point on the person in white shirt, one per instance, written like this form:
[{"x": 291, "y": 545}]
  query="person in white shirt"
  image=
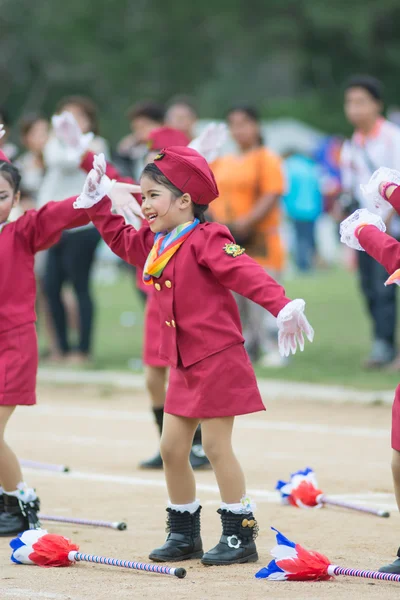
[
  {"x": 72, "y": 258},
  {"x": 375, "y": 143}
]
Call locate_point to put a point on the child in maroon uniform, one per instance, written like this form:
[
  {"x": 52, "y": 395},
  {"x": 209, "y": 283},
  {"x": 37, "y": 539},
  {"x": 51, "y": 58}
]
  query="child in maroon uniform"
[
  {"x": 364, "y": 230},
  {"x": 156, "y": 369},
  {"x": 193, "y": 265},
  {"x": 19, "y": 241}
]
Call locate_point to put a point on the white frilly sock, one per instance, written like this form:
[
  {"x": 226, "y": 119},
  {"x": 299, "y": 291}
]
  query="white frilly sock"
[
  {"x": 23, "y": 493},
  {"x": 245, "y": 506},
  {"x": 191, "y": 507}
]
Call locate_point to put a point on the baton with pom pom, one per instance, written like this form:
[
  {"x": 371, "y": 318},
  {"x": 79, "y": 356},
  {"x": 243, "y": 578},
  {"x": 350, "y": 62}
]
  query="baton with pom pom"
[
  {"x": 37, "y": 547},
  {"x": 292, "y": 562},
  {"x": 302, "y": 491}
]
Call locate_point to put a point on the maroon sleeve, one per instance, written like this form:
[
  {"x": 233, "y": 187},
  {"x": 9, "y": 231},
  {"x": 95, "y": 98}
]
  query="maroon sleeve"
[
  {"x": 42, "y": 228},
  {"x": 240, "y": 273},
  {"x": 394, "y": 200},
  {"x": 382, "y": 247},
  {"x": 127, "y": 243}
]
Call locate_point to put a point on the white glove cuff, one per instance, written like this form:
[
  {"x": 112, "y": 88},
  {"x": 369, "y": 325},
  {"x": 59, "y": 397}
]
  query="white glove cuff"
[
  {"x": 86, "y": 200},
  {"x": 349, "y": 226},
  {"x": 370, "y": 191}
]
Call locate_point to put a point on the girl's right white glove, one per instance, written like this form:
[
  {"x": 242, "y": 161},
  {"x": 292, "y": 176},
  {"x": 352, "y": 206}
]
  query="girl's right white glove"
[
  {"x": 349, "y": 227},
  {"x": 2, "y": 131}
]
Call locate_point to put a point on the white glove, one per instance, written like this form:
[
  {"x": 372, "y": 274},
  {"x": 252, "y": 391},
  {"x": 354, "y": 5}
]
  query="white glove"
[
  {"x": 2, "y": 130},
  {"x": 69, "y": 133},
  {"x": 98, "y": 185},
  {"x": 375, "y": 202},
  {"x": 292, "y": 323},
  {"x": 210, "y": 141},
  {"x": 362, "y": 216}
]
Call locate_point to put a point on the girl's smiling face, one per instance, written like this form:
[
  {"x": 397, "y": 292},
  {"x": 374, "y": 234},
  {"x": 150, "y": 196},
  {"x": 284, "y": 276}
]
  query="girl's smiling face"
[
  {"x": 162, "y": 209},
  {"x": 8, "y": 198}
]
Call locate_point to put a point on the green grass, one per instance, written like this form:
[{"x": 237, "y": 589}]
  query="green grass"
[{"x": 334, "y": 307}]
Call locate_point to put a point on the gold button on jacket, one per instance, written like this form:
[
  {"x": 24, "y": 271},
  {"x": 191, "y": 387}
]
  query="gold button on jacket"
[
  {"x": 168, "y": 323},
  {"x": 168, "y": 284},
  {"x": 157, "y": 286}
]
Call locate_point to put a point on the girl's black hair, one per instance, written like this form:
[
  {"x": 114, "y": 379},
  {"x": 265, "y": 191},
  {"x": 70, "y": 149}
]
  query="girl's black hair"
[
  {"x": 10, "y": 174},
  {"x": 153, "y": 172}
]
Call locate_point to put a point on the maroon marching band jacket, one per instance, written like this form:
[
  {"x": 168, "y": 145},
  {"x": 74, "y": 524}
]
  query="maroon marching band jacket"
[
  {"x": 19, "y": 241},
  {"x": 198, "y": 314}
]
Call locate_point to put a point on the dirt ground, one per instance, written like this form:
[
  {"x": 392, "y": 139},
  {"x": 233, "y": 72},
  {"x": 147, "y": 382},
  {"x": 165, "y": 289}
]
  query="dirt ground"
[{"x": 102, "y": 435}]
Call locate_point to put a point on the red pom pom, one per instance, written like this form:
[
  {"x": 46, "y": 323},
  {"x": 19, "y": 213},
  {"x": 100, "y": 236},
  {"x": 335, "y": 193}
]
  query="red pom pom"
[
  {"x": 305, "y": 493},
  {"x": 52, "y": 551},
  {"x": 307, "y": 566}
]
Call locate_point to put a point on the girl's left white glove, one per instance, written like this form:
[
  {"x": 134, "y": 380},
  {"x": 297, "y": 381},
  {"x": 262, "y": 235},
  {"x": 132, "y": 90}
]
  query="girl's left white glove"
[
  {"x": 98, "y": 185},
  {"x": 210, "y": 141},
  {"x": 2, "y": 131},
  {"x": 69, "y": 133},
  {"x": 292, "y": 325}
]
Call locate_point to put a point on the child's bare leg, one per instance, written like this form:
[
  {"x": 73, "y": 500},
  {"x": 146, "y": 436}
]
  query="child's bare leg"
[
  {"x": 10, "y": 470},
  {"x": 217, "y": 444},
  {"x": 396, "y": 475},
  {"x": 184, "y": 540},
  {"x": 239, "y": 527},
  {"x": 176, "y": 442},
  {"x": 16, "y": 494}
]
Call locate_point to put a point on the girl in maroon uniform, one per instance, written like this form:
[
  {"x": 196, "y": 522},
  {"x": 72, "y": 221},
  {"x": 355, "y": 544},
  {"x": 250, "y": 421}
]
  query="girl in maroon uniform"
[
  {"x": 193, "y": 265},
  {"x": 19, "y": 242}
]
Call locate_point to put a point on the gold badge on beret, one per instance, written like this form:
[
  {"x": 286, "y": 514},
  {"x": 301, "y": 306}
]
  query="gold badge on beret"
[
  {"x": 233, "y": 250},
  {"x": 159, "y": 156}
]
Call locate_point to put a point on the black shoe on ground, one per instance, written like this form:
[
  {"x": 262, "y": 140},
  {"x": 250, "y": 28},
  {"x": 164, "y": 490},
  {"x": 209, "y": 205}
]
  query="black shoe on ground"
[
  {"x": 198, "y": 459},
  {"x": 394, "y": 567},
  {"x": 237, "y": 540},
  {"x": 183, "y": 541},
  {"x": 152, "y": 463},
  {"x": 18, "y": 516}
]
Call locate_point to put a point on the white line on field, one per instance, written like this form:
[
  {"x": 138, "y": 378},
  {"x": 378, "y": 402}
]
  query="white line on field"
[
  {"x": 241, "y": 423},
  {"x": 33, "y": 594},
  {"x": 264, "y": 495},
  {"x": 90, "y": 442}
]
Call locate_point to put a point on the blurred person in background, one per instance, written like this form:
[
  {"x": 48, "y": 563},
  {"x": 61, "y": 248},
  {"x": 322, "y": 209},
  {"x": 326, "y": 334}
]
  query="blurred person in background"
[
  {"x": 182, "y": 115},
  {"x": 34, "y": 134},
  {"x": 251, "y": 183},
  {"x": 303, "y": 203},
  {"x": 375, "y": 143},
  {"x": 131, "y": 151},
  {"x": 71, "y": 260},
  {"x": 9, "y": 149}
]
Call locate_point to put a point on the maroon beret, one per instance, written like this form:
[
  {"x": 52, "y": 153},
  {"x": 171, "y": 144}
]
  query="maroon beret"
[{"x": 187, "y": 170}]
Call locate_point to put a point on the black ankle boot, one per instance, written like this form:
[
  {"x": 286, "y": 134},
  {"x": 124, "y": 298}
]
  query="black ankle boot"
[
  {"x": 394, "y": 567},
  {"x": 18, "y": 516},
  {"x": 183, "y": 541},
  {"x": 237, "y": 540}
]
